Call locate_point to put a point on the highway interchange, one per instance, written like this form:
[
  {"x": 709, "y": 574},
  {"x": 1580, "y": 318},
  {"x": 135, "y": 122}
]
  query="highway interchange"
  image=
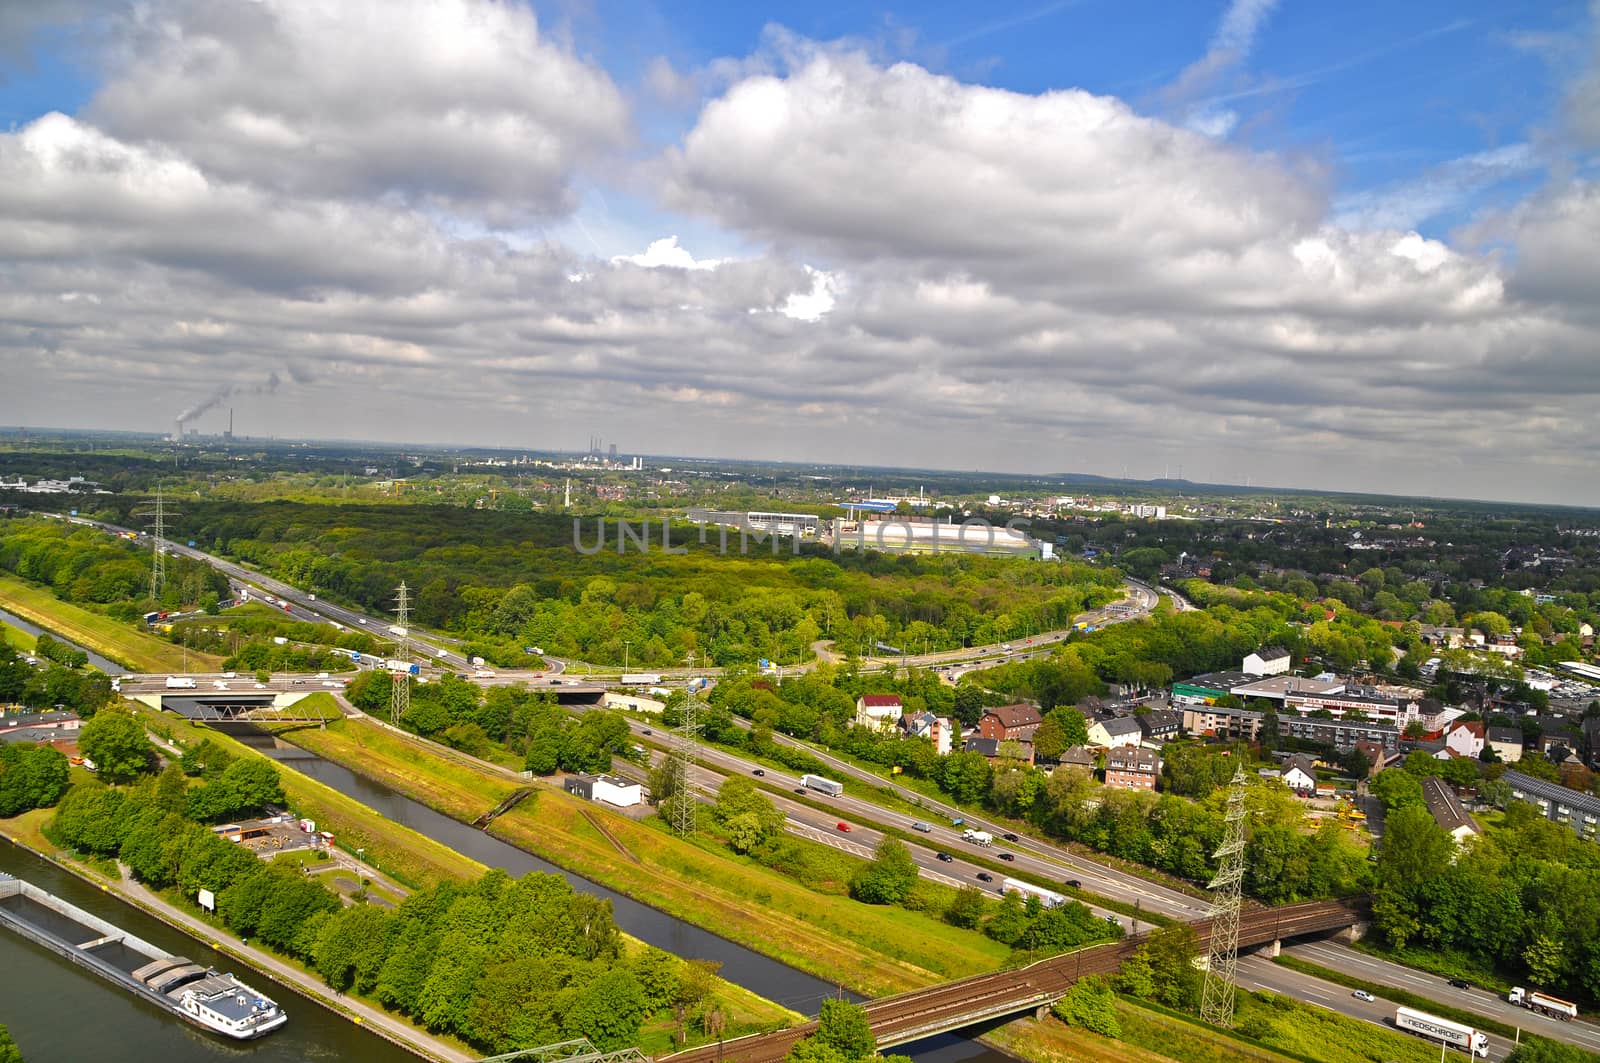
[{"x": 1037, "y": 858}]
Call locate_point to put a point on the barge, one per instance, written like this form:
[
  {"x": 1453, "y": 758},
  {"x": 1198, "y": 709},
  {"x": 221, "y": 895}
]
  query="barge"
[{"x": 200, "y": 995}]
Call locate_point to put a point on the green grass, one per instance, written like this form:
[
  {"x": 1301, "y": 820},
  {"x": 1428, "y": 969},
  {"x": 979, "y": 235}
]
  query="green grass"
[
  {"x": 1279, "y": 1025},
  {"x": 107, "y": 637},
  {"x": 16, "y": 638},
  {"x": 871, "y": 949}
]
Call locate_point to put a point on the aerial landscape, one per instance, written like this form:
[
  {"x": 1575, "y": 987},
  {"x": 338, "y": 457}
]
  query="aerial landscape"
[{"x": 600, "y": 533}]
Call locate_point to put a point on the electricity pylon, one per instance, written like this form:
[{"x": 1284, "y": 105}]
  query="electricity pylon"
[
  {"x": 686, "y": 735},
  {"x": 400, "y": 681},
  {"x": 1222, "y": 966}
]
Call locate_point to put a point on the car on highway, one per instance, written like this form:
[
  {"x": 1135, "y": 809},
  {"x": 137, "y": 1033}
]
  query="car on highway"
[
  {"x": 800, "y": 790},
  {"x": 1460, "y": 983},
  {"x": 647, "y": 731},
  {"x": 841, "y": 825},
  {"x": 946, "y": 857},
  {"x": 1009, "y": 837},
  {"x": 1006, "y": 856},
  {"x": 1362, "y": 994},
  {"x": 1073, "y": 884},
  {"x": 984, "y": 876},
  {"x": 757, "y": 771}
]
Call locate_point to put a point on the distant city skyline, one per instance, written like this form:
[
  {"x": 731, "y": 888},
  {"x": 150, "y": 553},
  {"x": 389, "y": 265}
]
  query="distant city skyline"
[{"x": 1324, "y": 247}]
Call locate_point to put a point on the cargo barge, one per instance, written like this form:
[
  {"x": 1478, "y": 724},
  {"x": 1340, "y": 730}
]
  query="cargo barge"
[{"x": 199, "y": 995}]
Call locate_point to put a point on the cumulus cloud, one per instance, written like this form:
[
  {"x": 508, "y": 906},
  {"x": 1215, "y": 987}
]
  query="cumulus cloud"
[
  {"x": 944, "y": 273},
  {"x": 462, "y": 104}
]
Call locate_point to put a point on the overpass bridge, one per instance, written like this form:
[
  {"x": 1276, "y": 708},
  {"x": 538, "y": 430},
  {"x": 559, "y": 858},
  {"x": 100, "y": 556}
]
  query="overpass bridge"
[{"x": 912, "y": 1016}]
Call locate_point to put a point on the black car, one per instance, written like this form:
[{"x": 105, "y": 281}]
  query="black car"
[
  {"x": 647, "y": 731},
  {"x": 1007, "y": 856},
  {"x": 984, "y": 876},
  {"x": 946, "y": 857},
  {"x": 757, "y": 771},
  {"x": 1009, "y": 837},
  {"x": 1460, "y": 983},
  {"x": 1074, "y": 884},
  {"x": 800, "y": 790}
]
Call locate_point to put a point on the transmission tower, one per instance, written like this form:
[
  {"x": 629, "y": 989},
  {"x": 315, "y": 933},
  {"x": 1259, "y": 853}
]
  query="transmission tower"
[
  {"x": 400, "y": 677},
  {"x": 156, "y": 509},
  {"x": 1216, "y": 1001},
  {"x": 685, "y": 736}
]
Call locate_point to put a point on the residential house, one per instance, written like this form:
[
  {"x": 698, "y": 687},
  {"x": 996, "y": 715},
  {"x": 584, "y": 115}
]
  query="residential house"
[
  {"x": 1300, "y": 775},
  {"x": 1446, "y": 810},
  {"x": 1159, "y": 725},
  {"x": 1132, "y": 768},
  {"x": 1077, "y": 757},
  {"x": 1465, "y": 738},
  {"x": 1015, "y": 723},
  {"x": 1449, "y": 638},
  {"x": 1116, "y": 732},
  {"x": 1271, "y": 660},
  {"x": 1375, "y": 754},
  {"x": 879, "y": 711},
  {"x": 1506, "y": 743},
  {"x": 992, "y": 749},
  {"x": 935, "y": 729}
]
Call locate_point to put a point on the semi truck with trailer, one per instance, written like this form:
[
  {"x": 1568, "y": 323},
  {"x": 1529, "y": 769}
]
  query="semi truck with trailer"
[
  {"x": 1048, "y": 898},
  {"x": 641, "y": 679},
  {"x": 1543, "y": 1002},
  {"x": 405, "y": 667},
  {"x": 821, "y": 785},
  {"x": 1456, "y": 1034},
  {"x": 180, "y": 682}
]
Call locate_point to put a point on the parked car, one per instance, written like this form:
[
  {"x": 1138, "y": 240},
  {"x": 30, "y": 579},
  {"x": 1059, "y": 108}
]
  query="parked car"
[
  {"x": 1362, "y": 994},
  {"x": 1007, "y": 856},
  {"x": 984, "y": 876},
  {"x": 946, "y": 857},
  {"x": 844, "y": 826}
]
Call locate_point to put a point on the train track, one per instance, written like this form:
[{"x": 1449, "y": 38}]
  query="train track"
[{"x": 938, "y": 1009}]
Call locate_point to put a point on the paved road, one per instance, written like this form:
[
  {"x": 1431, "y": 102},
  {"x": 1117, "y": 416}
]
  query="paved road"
[
  {"x": 1258, "y": 972},
  {"x": 1479, "y": 1001}
]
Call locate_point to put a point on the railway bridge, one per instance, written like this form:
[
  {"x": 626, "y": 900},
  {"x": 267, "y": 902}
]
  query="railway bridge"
[{"x": 952, "y": 1006}]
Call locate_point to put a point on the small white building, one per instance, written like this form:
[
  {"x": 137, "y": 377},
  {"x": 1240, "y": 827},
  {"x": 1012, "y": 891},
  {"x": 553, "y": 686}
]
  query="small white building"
[
  {"x": 1272, "y": 660},
  {"x": 1465, "y": 738},
  {"x": 1300, "y": 775},
  {"x": 880, "y": 711},
  {"x": 1116, "y": 732},
  {"x": 605, "y": 788},
  {"x": 936, "y": 729}
]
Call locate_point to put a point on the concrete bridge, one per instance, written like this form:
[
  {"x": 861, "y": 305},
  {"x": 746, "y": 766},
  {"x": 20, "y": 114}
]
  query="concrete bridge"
[{"x": 952, "y": 1006}]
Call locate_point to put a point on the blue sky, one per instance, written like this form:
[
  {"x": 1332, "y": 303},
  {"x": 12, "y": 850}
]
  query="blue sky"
[{"x": 1280, "y": 241}]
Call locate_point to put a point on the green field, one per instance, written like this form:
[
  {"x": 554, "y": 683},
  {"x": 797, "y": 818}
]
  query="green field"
[
  {"x": 871, "y": 949},
  {"x": 16, "y": 638},
  {"x": 104, "y": 636}
]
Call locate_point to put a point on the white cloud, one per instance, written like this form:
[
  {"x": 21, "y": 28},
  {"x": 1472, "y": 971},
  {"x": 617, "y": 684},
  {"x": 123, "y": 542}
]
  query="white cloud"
[
  {"x": 460, "y": 104},
  {"x": 666, "y": 252}
]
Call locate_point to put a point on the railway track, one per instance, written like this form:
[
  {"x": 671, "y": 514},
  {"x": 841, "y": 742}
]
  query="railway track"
[{"x": 939, "y": 1009}]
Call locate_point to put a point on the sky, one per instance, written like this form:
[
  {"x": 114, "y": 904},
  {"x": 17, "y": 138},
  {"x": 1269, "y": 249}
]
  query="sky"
[{"x": 1343, "y": 246}]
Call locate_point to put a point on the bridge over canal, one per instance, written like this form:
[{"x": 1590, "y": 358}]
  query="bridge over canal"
[{"x": 952, "y": 1006}]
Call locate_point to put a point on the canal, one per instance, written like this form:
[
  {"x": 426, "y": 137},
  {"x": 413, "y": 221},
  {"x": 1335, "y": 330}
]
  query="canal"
[
  {"x": 107, "y": 666},
  {"x": 60, "y": 1013}
]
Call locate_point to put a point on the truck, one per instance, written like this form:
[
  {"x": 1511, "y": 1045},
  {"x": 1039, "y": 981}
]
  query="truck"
[
  {"x": 1544, "y": 1003},
  {"x": 405, "y": 667},
  {"x": 821, "y": 785},
  {"x": 697, "y": 684},
  {"x": 1048, "y": 898},
  {"x": 977, "y": 837},
  {"x": 640, "y": 679},
  {"x": 478, "y": 662},
  {"x": 180, "y": 682},
  {"x": 1459, "y": 1035}
]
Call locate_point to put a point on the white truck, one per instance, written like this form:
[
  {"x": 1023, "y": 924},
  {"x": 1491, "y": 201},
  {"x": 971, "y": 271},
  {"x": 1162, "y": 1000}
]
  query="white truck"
[
  {"x": 1434, "y": 1028},
  {"x": 180, "y": 682},
  {"x": 821, "y": 785},
  {"x": 1543, "y": 1002},
  {"x": 977, "y": 837},
  {"x": 641, "y": 679}
]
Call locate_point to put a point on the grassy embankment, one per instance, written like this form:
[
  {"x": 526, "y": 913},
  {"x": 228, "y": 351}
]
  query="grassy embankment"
[
  {"x": 1268, "y": 1029},
  {"x": 16, "y": 638},
  {"x": 103, "y": 635},
  {"x": 872, "y": 949},
  {"x": 417, "y": 861}
]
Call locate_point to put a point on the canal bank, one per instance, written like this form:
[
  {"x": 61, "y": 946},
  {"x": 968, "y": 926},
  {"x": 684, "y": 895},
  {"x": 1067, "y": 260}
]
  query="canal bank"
[
  {"x": 107, "y": 666},
  {"x": 59, "y": 1013}
]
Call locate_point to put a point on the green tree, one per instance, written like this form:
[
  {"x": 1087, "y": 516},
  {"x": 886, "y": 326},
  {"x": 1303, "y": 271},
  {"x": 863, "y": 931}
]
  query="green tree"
[
  {"x": 889, "y": 878},
  {"x": 117, "y": 744},
  {"x": 843, "y": 1026},
  {"x": 966, "y": 908},
  {"x": 1396, "y": 788},
  {"x": 1137, "y": 977},
  {"x": 1091, "y": 1004},
  {"x": 9, "y": 1052},
  {"x": 1175, "y": 979},
  {"x": 746, "y": 814}
]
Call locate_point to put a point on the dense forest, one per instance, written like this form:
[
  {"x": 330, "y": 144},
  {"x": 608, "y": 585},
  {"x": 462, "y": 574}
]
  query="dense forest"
[{"x": 507, "y": 581}]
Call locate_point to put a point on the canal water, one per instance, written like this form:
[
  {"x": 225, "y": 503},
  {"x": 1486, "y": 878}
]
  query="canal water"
[
  {"x": 107, "y": 666},
  {"x": 60, "y": 1013},
  {"x": 758, "y": 973}
]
